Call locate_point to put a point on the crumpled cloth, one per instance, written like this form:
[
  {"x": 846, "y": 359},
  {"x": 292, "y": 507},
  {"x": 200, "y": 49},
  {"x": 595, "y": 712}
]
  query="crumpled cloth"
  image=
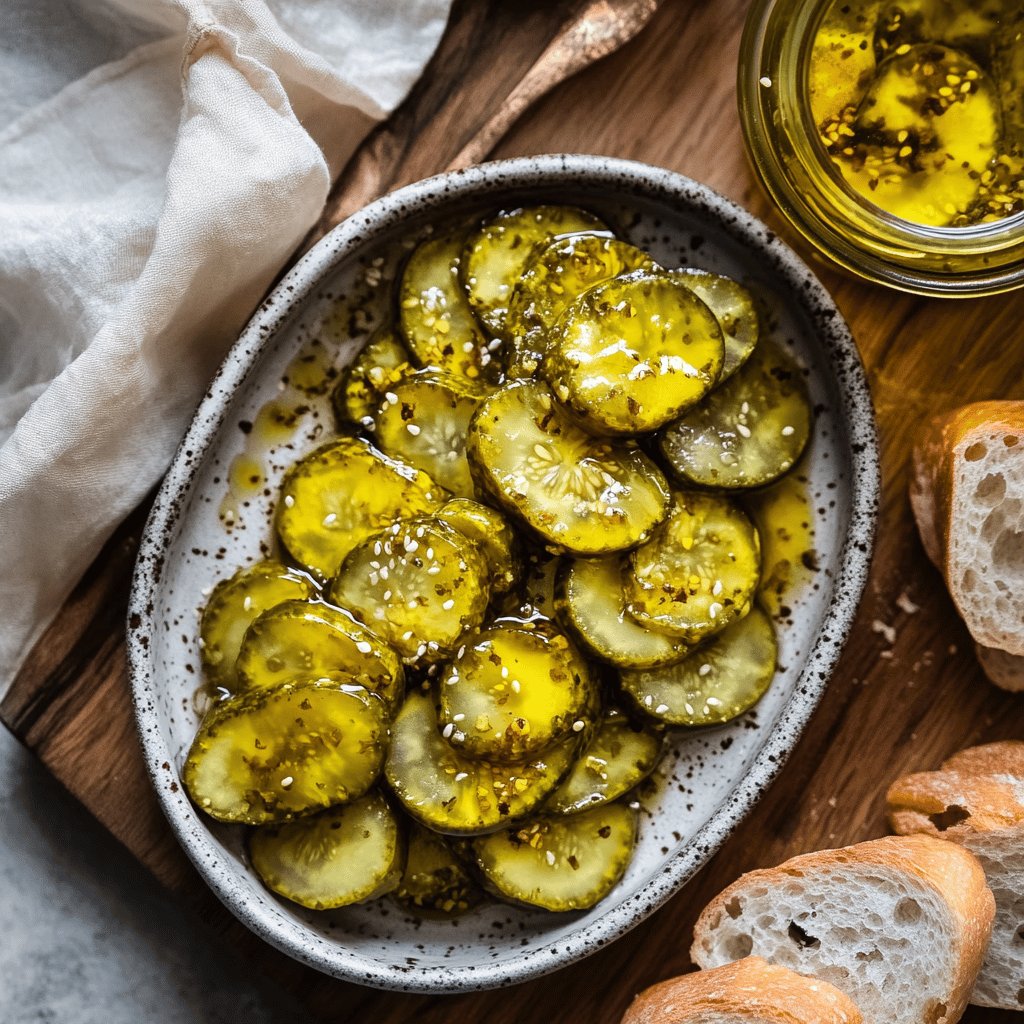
[{"x": 144, "y": 209}]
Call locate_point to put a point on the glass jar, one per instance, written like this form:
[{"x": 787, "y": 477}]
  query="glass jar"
[{"x": 789, "y": 155}]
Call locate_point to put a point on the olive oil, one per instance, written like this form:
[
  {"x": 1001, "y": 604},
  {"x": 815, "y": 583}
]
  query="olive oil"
[{"x": 918, "y": 106}]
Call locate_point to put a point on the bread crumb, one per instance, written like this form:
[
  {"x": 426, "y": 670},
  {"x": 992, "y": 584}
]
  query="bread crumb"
[
  {"x": 952, "y": 649},
  {"x": 885, "y": 629},
  {"x": 904, "y": 604}
]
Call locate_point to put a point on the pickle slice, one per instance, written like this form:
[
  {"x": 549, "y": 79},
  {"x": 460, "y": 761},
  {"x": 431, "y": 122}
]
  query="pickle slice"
[
  {"x": 698, "y": 572},
  {"x": 491, "y": 533},
  {"x": 733, "y": 308},
  {"x": 632, "y": 354},
  {"x": 720, "y": 680},
  {"x": 555, "y": 276},
  {"x": 436, "y": 319},
  {"x": 562, "y": 863},
  {"x": 619, "y": 756},
  {"x": 340, "y": 494},
  {"x": 345, "y": 855},
  {"x": 423, "y": 422},
  {"x": 233, "y": 606},
  {"x": 373, "y": 373},
  {"x": 273, "y": 755},
  {"x": 419, "y": 584},
  {"x": 454, "y": 794},
  {"x": 749, "y": 431},
  {"x": 298, "y": 641},
  {"x": 578, "y": 493},
  {"x": 591, "y": 601},
  {"x": 498, "y": 253},
  {"x": 435, "y": 881},
  {"x": 917, "y": 146},
  {"x": 511, "y": 691}
]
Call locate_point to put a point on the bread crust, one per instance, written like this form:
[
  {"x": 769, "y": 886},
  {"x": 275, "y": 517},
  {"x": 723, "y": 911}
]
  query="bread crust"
[
  {"x": 751, "y": 988},
  {"x": 1002, "y": 668},
  {"x": 953, "y": 873},
  {"x": 1005, "y": 757},
  {"x": 948, "y": 803}
]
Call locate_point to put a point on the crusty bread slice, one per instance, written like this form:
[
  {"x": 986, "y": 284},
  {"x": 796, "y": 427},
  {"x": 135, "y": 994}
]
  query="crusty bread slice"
[
  {"x": 1004, "y": 669},
  {"x": 749, "y": 991},
  {"x": 977, "y": 800},
  {"x": 967, "y": 493},
  {"x": 899, "y": 924}
]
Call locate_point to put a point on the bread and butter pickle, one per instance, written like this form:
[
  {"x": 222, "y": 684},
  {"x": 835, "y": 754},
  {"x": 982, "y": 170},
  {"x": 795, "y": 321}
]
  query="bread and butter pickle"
[{"x": 426, "y": 693}]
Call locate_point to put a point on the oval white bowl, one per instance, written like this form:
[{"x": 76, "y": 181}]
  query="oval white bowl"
[{"x": 711, "y": 778}]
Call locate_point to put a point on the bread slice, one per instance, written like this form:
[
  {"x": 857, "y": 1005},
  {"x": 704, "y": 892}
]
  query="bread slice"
[
  {"x": 1005, "y": 670},
  {"x": 967, "y": 493},
  {"x": 899, "y": 924},
  {"x": 748, "y": 991},
  {"x": 977, "y": 800}
]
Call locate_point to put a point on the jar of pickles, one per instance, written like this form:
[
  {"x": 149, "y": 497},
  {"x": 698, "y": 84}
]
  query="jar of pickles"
[{"x": 891, "y": 135}]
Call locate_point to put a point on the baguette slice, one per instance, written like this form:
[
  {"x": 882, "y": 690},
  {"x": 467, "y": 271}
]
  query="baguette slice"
[
  {"x": 977, "y": 800},
  {"x": 899, "y": 924},
  {"x": 748, "y": 991},
  {"x": 967, "y": 493}
]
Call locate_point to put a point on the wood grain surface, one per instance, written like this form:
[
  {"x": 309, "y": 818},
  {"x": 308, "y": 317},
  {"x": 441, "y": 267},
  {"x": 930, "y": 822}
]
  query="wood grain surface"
[{"x": 907, "y": 692}]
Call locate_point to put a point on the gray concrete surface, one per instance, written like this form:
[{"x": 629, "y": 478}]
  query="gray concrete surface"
[{"x": 87, "y": 936}]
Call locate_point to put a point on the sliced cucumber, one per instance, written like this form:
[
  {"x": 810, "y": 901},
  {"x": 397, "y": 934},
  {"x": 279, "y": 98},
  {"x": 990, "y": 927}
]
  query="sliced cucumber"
[
  {"x": 435, "y": 881},
  {"x": 423, "y": 422},
  {"x": 436, "y": 319},
  {"x": 591, "y": 601},
  {"x": 698, "y": 572},
  {"x": 555, "y": 276},
  {"x": 512, "y": 691},
  {"x": 749, "y": 431},
  {"x": 498, "y": 253},
  {"x": 578, "y": 493},
  {"x": 733, "y": 307},
  {"x": 419, "y": 584},
  {"x": 491, "y": 533},
  {"x": 619, "y": 756},
  {"x": 633, "y": 353},
  {"x": 373, "y": 373},
  {"x": 345, "y": 855},
  {"x": 273, "y": 755},
  {"x": 561, "y": 863},
  {"x": 298, "y": 640},
  {"x": 451, "y": 793},
  {"x": 718, "y": 681},
  {"x": 233, "y": 606},
  {"x": 340, "y": 494}
]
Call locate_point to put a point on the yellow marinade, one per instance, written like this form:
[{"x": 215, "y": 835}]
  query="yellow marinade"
[{"x": 918, "y": 105}]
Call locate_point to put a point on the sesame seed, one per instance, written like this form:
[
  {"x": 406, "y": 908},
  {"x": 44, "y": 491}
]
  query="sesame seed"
[
  {"x": 765, "y": 81},
  {"x": 661, "y": 709},
  {"x": 459, "y": 717},
  {"x": 461, "y": 776},
  {"x": 742, "y": 430},
  {"x": 788, "y": 431},
  {"x": 447, "y": 731},
  {"x": 448, "y": 605},
  {"x": 287, "y": 781},
  {"x": 578, "y": 725},
  {"x": 704, "y": 669},
  {"x": 550, "y": 858},
  {"x": 410, "y": 545},
  {"x": 331, "y": 517},
  {"x": 717, "y": 588},
  {"x": 413, "y": 429},
  {"x": 391, "y": 398},
  {"x": 247, "y": 603},
  {"x": 289, "y": 501},
  {"x": 714, "y": 609},
  {"x": 364, "y": 647}
]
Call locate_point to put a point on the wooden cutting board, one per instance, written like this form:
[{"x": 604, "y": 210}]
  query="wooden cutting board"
[{"x": 907, "y": 692}]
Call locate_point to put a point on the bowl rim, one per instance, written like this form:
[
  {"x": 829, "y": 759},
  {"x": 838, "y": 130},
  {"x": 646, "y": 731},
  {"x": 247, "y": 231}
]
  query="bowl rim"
[{"x": 535, "y": 173}]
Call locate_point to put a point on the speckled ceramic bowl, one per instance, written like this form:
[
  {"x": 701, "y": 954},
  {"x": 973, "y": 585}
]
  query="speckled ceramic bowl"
[{"x": 711, "y": 778}]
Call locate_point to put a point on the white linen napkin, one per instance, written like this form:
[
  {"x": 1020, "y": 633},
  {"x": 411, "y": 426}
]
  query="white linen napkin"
[{"x": 144, "y": 209}]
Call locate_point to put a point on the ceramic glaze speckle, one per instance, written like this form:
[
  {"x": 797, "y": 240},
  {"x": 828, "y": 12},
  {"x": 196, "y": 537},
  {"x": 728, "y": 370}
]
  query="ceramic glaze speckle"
[{"x": 711, "y": 778}]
